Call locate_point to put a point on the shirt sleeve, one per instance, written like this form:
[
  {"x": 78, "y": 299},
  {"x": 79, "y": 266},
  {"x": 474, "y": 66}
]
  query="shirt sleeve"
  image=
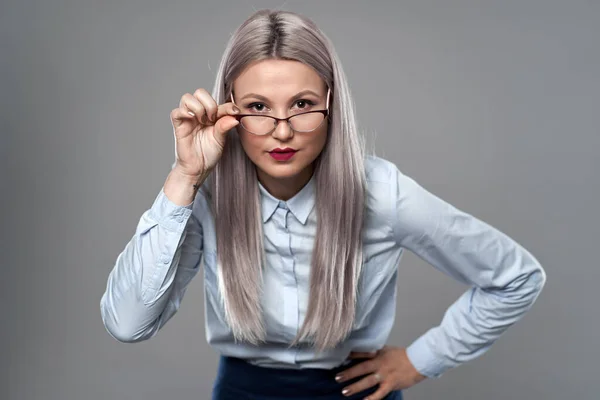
[
  {"x": 504, "y": 278},
  {"x": 150, "y": 276}
]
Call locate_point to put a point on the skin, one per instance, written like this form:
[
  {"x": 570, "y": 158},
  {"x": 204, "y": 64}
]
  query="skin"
[
  {"x": 277, "y": 82},
  {"x": 392, "y": 365}
]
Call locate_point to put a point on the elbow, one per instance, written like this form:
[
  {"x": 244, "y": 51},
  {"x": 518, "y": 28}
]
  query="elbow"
[
  {"x": 539, "y": 279},
  {"x": 119, "y": 328},
  {"x": 524, "y": 288},
  {"x": 532, "y": 283},
  {"x": 120, "y": 334}
]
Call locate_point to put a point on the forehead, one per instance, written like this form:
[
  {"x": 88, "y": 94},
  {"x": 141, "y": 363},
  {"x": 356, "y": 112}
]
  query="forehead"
[{"x": 283, "y": 77}]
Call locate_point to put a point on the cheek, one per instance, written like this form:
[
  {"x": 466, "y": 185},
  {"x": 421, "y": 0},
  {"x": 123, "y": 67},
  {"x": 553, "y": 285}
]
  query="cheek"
[
  {"x": 319, "y": 140},
  {"x": 252, "y": 144}
]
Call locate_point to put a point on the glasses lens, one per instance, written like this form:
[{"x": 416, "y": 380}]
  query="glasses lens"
[
  {"x": 262, "y": 125},
  {"x": 257, "y": 124},
  {"x": 306, "y": 122}
]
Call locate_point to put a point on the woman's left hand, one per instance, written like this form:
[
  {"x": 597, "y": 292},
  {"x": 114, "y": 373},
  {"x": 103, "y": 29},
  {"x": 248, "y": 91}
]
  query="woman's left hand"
[{"x": 390, "y": 368}]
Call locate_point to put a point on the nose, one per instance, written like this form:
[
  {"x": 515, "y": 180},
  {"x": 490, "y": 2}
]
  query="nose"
[{"x": 283, "y": 131}]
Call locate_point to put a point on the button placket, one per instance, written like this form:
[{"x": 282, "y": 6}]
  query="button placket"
[
  {"x": 286, "y": 257},
  {"x": 283, "y": 206}
]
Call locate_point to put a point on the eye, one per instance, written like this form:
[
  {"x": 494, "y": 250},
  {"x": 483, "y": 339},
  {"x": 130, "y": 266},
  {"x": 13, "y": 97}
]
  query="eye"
[
  {"x": 302, "y": 104},
  {"x": 256, "y": 107}
]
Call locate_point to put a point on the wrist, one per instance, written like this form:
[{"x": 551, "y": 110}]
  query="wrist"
[
  {"x": 181, "y": 187},
  {"x": 187, "y": 178},
  {"x": 414, "y": 376}
]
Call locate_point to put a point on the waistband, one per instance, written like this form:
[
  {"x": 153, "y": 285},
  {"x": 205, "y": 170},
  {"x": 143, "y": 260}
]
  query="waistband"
[{"x": 238, "y": 379}]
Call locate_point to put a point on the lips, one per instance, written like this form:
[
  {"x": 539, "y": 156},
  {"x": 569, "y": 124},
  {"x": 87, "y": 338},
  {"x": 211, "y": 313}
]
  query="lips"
[
  {"x": 286, "y": 150},
  {"x": 282, "y": 154}
]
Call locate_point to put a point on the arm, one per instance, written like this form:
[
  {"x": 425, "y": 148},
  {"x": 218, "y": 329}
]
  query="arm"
[
  {"x": 150, "y": 276},
  {"x": 505, "y": 278}
]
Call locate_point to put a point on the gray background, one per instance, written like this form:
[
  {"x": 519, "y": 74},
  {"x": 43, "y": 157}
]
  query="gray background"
[{"x": 492, "y": 105}]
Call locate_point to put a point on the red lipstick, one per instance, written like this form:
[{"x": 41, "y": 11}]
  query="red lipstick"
[{"x": 282, "y": 154}]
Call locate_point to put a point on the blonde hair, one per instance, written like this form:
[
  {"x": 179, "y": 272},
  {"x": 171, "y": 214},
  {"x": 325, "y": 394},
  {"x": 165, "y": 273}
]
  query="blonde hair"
[{"x": 340, "y": 190}]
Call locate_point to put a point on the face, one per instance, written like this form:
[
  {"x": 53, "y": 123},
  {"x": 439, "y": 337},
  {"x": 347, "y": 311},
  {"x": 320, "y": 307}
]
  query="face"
[{"x": 281, "y": 88}]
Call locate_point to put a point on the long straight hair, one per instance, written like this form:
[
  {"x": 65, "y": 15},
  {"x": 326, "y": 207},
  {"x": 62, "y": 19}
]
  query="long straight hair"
[{"x": 340, "y": 191}]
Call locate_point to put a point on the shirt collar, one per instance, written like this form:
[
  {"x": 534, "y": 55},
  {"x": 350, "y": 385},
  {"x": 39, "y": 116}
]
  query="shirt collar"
[{"x": 300, "y": 205}]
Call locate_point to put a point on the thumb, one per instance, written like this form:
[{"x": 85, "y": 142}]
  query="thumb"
[{"x": 224, "y": 124}]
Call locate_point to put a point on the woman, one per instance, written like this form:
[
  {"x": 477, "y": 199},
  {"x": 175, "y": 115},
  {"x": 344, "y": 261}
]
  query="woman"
[{"x": 300, "y": 234}]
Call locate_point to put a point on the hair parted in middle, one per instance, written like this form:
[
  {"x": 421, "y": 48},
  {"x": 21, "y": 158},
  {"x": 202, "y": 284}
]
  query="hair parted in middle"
[{"x": 337, "y": 255}]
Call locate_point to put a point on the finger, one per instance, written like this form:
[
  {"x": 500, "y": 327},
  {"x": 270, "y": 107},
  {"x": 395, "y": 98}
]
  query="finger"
[
  {"x": 225, "y": 124},
  {"x": 190, "y": 104},
  {"x": 367, "y": 382},
  {"x": 227, "y": 109},
  {"x": 360, "y": 369},
  {"x": 380, "y": 393},
  {"x": 179, "y": 115},
  {"x": 362, "y": 354},
  {"x": 209, "y": 104}
]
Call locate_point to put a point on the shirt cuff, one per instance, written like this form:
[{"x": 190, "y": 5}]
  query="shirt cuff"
[
  {"x": 168, "y": 214},
  {"x": 424, "y": 359}
]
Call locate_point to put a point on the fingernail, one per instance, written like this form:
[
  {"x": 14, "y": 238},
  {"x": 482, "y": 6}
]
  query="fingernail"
[
  {"x": 345, "y": 391},
  {"x": 235, "y": 109},
  {"x": 338, "y": 378}
]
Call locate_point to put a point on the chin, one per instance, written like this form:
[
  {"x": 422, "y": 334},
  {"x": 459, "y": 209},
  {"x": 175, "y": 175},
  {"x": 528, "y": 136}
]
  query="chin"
[{"x": 281, "y": 171}]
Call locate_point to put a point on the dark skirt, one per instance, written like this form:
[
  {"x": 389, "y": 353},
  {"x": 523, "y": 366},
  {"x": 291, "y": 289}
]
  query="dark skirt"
[{"x": 240, "y": 380}]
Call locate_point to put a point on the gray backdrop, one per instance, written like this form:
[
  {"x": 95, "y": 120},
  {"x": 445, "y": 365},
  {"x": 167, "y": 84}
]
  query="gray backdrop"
[{"x": 492, "y": 105}]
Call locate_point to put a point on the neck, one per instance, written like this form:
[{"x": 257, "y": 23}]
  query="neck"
[{"x": 285, "y": 188}]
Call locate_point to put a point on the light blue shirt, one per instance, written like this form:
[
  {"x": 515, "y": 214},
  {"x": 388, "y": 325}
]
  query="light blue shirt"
[{"x": 150, "y": 276}]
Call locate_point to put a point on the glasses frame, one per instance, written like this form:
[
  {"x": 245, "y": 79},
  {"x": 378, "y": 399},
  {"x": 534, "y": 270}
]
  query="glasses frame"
[{"x": 287, "y": 119}]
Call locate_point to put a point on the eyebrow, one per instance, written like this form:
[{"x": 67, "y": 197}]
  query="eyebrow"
[{"x": 297, "y": 96}]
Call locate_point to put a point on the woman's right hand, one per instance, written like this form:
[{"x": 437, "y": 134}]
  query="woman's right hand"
[{"x": 200, "y": 127}]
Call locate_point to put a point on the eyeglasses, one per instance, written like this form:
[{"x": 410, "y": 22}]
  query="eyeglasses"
[{"x": 265, "y": 124}]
